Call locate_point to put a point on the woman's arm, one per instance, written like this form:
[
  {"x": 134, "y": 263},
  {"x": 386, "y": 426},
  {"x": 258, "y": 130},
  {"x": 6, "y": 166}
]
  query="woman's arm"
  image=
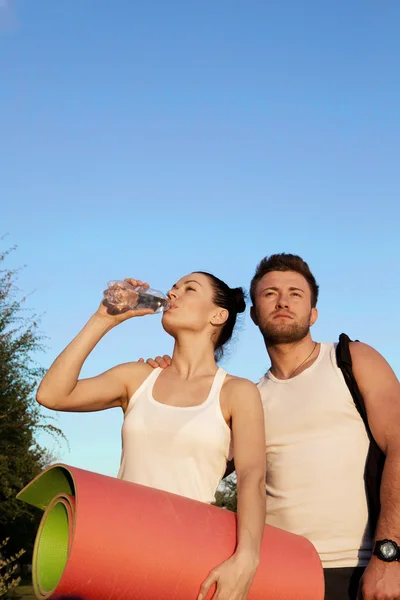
[
  {"x": 248, "y": 431},
  {"x": 234, "y": 577},
  {"x": 61, "y": 389}
]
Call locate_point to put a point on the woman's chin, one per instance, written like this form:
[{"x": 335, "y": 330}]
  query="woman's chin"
[{"x": 167, "y": 324}]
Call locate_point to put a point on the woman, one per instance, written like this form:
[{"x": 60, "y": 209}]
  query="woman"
[{"x": 178, "y": 422}]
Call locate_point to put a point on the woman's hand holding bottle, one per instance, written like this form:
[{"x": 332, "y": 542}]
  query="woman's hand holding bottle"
[{"x": 124, "y": 300}]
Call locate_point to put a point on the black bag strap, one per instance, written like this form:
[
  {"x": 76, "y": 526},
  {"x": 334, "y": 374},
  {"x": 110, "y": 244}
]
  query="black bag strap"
[
  {"x": 344, "y": 362},
  {"x": 376, "y": 458}
]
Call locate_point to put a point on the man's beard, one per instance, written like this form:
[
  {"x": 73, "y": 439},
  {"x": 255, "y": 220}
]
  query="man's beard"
[{"x": 286, "y": 332}]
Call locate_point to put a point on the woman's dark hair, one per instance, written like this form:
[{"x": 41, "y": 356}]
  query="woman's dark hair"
[{"x": 233, "y": 300}]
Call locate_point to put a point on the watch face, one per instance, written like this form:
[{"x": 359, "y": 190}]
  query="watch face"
[{"x": 388, "y": 550}]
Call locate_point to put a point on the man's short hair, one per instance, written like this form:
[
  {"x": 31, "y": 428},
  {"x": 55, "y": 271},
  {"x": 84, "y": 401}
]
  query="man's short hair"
[{"x": 285, "y": 262}]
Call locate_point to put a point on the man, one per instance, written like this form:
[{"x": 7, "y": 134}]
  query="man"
[{"x": 317, "y": 444}]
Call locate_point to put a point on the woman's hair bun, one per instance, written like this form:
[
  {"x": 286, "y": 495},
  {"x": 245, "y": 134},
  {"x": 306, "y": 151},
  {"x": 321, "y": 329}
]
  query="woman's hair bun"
[
  {"x": 239, "y": 299},
  {"x": 232, "y": 300}
]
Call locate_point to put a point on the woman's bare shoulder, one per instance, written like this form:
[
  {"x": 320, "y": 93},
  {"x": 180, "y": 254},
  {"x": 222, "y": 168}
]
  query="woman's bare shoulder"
[
  {"x": 237, "y": 386},
  {"x": 133, "y": 374},
  {"x": 238, "y": 382},
  {"x": 134, "y": 370}
]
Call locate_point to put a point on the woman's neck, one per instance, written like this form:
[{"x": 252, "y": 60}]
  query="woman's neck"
[{"x": 193, "y": 357}]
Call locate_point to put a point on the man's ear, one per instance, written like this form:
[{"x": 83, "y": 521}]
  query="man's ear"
[
  {"x": 220, "y": 317},
  {"x": 313, "y": 316},
  {"x": 253, "y": 315}
]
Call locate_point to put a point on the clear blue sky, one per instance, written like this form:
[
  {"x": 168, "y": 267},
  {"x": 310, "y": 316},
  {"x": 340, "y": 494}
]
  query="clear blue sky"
[{"x": 150, "y": 139}]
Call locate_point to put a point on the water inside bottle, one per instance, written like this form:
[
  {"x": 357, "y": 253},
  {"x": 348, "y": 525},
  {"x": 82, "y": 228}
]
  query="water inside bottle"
[
  {"x": 148, "y": 300},
  {"x": 122, "y": 296}
]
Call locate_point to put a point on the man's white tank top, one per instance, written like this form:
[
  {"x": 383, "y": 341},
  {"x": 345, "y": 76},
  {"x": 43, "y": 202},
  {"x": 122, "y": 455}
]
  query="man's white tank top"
[
  {"x": 317, "y": 447},
  {"x": 182, "y": 450}
]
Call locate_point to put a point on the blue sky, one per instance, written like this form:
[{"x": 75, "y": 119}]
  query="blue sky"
[{"x": 150, "y": 139}]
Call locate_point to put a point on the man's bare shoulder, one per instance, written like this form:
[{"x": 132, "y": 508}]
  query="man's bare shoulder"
[{"x": 365, "y": 357}]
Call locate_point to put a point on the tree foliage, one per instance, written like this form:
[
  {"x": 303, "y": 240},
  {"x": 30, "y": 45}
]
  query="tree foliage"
[
  {"x": 226, "y": 496},
  {"x": 21, "y": 457},
  {"x": 8, "y": 568}
]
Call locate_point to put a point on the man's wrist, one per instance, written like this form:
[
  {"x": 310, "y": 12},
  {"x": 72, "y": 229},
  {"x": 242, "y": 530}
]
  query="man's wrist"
[{"x": 387, "y": 550}]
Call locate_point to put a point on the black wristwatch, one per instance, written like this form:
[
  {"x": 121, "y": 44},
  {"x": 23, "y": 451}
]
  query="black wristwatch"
[{"x": 387, "y": 550}]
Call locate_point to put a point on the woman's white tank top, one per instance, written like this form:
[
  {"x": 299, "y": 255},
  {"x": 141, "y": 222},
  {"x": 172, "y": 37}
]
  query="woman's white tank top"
[{"x": 182, "y": 450}]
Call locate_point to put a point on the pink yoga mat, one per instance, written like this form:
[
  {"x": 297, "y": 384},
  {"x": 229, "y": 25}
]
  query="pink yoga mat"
[{"x": 101, "y": 538}]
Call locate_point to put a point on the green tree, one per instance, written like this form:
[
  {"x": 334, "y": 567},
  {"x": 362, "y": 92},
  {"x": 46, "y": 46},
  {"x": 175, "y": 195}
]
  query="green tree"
[
  {"x": 226, "y": 496},
  {"x": 8, "y": 569},
  {"x": 21, "y": 458}
]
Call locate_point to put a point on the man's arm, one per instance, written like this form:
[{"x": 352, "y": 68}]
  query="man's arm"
[{"x": 381, "y": 392}]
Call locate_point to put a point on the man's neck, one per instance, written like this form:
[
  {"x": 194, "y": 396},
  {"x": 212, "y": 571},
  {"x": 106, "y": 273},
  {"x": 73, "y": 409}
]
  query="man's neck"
[{"x": 289, "y": 360}]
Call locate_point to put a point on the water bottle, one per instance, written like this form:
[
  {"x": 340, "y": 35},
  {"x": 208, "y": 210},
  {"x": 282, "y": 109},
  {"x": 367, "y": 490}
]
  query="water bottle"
[{"x": 121, "y": 296}]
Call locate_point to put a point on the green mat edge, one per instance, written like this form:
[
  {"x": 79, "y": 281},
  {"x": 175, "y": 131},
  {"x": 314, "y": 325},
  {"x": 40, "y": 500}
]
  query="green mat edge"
[
  {"x": 41, "y": 493},
  {"x": 41, "y": 490},
  {"x": 50, "y": 559}
]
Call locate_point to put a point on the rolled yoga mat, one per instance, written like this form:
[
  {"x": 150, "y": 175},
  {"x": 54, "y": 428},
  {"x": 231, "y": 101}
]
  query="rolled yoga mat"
[{"x": 101, "y": 538}]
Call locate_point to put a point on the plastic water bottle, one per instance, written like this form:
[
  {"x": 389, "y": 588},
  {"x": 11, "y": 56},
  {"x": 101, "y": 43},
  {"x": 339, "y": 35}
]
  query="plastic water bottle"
[{"x": 121, "y": 296}]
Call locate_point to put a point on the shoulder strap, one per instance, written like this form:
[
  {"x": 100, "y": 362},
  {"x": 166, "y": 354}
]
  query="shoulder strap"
[
  {"x": 344, "y": 362},
  {"x": 375, "y": 459},
  {"x": 143, "y": 387},
  {"x": 218, "y": 382}
]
